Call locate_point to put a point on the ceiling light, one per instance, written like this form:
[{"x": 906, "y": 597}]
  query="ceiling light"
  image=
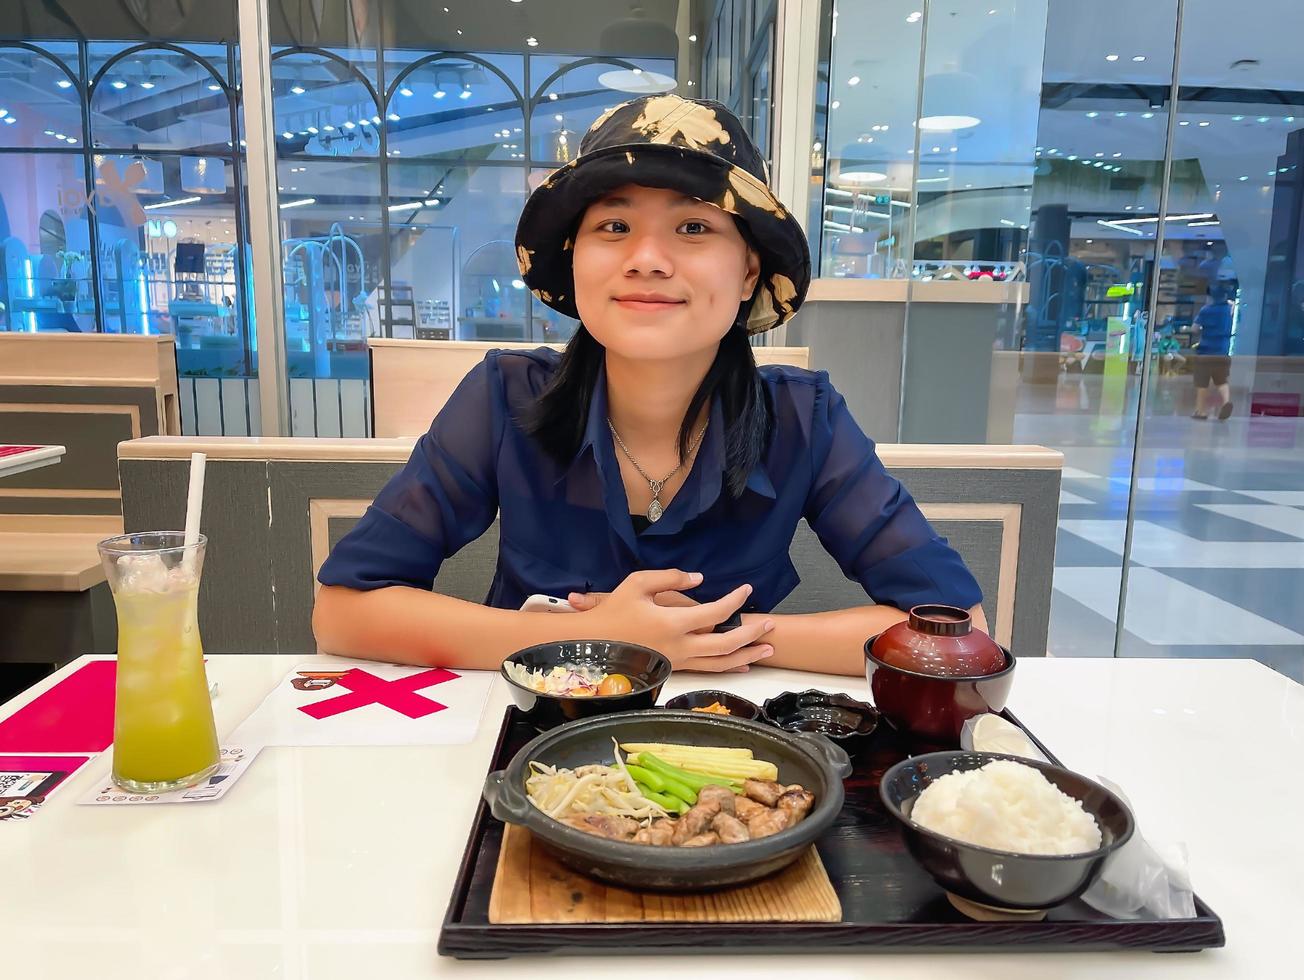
[
  {"x": 1138, "y": 57},
  {"x": 63, "y": 83},
  {"x": 288, "y": 136},
  {"x": 329, "y": 128},
  {"x": 938, "y": 124},
  {"x": 297, "y": 89},
  {"x": 1117, "y": 155},
  {"x": 440, "y": 93},
  {"x": 1289, "y": 119},
  {"x": 860, "y": 178},
  {"x": 532, "y": 42},
  {"x": 914, "y": 17},
  {"x": 365, "y": 121},
  {"x": 1100, "y": 155},
  {"x": 1111, "y": 57},
  {"x": 1092, "y": 115},
  {"x": 853, "y": 80},
  {"x": 836, "y": 104},
  {"x": 10, "y": 120},
  {"x": 1242, "y": 178},
  {"x": 1203, "y": 124},
  {"x": 465, "y": 93},
  {"x": 1053, "y": 149},
  {"x": 1147, "y": 115},
  {"x": 1263, "y": 119},
  {"x": 937, "y": 149},
  {"x": 214, "y": 87},
  {"x": 1120, "y": 115},
  {"x": 1184, "y": 122},
  {"x": 119, "y": 84},
  {"x": 1237, "y": 118},
  {"x": 1073, "y": 156},
  {"x": 405, "y": 91},
  {"x": 299, "y": 203},
  {"x": 49, "y": 132},
  {"x": 393, "y": 117},
  {"x": 168, "y": 204},
  {"x": 558, "y": 117},
  {"x": 347, "y": 125},
  {"x": 146, "y": 85}
]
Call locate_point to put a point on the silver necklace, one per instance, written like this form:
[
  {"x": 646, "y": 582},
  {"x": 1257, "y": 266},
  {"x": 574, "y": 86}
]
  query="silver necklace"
[{"x": 654, "y": 509}]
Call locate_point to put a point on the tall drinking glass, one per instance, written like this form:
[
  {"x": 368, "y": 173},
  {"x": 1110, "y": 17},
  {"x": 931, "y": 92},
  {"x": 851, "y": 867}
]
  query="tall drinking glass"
[{"x": 163, "y": 733}]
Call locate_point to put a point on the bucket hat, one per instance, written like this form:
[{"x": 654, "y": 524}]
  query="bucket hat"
[{"x": 696, "y": 147}]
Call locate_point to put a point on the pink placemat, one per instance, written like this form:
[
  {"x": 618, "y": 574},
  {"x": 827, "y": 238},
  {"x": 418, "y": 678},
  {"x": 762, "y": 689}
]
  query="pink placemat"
[
  {"x": 76, "y": 715},
  {"x": 15, "y": 450}
]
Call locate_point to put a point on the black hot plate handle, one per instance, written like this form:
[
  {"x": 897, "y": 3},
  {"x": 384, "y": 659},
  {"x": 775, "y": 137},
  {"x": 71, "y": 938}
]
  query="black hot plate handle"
[
  {"x": 827, "y": 750},
  {"x": 506, "y": 801}
]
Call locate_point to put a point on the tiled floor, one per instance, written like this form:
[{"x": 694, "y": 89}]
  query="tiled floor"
[{"x": 1217, "y": 559}]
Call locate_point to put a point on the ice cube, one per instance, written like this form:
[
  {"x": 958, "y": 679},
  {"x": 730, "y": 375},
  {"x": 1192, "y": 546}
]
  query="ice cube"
[
  {"x": 180, "y": 578},
  {"x": 142, "y": 573}
]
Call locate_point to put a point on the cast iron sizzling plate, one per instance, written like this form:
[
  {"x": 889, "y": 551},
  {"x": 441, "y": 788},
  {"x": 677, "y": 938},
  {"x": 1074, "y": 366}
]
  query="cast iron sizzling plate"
[{"x": 810, "y": 760}]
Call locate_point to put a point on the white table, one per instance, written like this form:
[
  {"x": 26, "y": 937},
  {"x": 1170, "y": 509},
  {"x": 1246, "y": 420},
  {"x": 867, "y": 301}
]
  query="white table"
[
  {"x": 339, "y": 862},
  {"x": 30, "y": 460}
]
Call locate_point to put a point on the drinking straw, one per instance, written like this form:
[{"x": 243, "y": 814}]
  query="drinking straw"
[{"x": 194, "y": 504}]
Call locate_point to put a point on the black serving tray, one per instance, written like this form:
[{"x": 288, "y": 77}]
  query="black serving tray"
[{"x": 889, "y": 904}]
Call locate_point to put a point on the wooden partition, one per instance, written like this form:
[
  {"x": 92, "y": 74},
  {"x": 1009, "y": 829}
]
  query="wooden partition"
[
  {"x": 275, "y": 507},
  {"x": 87, "y": 392},
  {"x": 412, "y": 379}
]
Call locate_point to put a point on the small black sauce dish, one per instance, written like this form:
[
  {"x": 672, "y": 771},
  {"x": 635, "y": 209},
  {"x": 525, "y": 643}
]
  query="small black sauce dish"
[
  {"x": 846, "y": 721},
  {"x": 739, "y": 707}
]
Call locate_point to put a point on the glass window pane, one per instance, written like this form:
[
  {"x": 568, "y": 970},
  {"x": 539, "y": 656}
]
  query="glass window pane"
[
  {"x": 47, "y": 281},
  {"x": 574, "y": 92},
  {"x": 160, "y": 99},
  {"x": 40, "y": 104},
  {"x": 1218, "y": 509},
  {"x": 328, "y": 175},
  {"x": 868, "y": 151},
  {"x": 168, "y": 258},
  {"x": 460, "y": 109}
]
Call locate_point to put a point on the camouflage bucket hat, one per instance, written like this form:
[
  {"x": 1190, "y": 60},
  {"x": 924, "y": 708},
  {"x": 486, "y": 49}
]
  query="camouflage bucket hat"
[{"x": 697, "y": 148}]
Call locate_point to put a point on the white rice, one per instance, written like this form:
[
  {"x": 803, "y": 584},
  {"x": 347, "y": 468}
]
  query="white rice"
[{"x": 1006, "y": 806}]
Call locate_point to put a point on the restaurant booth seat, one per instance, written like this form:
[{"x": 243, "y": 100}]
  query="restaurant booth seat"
[
  {"x": 273, "y": 508},
  {"x": 412, "y": 379},
  {"x": 86, "y": 392}
]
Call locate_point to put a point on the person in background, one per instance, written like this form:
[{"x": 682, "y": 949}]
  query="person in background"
[{"x": 1213, "y": 362}]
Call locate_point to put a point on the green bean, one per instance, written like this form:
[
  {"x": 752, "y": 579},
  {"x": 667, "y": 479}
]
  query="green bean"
[
  {"x": 647, "y": 777},
  {"x": 668, "y": 803}
]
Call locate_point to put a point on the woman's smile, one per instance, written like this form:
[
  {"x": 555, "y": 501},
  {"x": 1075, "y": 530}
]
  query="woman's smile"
[{"x": 647, "y": 302}]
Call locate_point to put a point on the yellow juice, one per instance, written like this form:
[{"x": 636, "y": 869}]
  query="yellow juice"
[{"x": 163, "y": 727}]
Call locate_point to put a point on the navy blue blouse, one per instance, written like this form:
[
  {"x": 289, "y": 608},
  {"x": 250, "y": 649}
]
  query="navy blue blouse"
[{"x": 566, "y": 527}]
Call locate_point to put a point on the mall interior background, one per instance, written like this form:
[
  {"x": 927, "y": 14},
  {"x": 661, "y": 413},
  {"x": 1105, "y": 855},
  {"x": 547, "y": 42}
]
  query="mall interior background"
[{"x": 1118, "y": 167}]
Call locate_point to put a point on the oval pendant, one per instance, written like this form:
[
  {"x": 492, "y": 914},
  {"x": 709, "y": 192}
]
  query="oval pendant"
[{"x": 654, "y": 511}]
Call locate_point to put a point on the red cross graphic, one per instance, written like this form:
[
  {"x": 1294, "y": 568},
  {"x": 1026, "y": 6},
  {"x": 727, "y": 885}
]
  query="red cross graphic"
[{"x": 397, "y": 694}]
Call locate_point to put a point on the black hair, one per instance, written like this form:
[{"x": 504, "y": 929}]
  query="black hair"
[{"x": 559, "y": 416}]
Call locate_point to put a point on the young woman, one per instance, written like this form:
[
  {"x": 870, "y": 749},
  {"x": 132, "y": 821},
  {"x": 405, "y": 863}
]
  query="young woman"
[{"x": 650, "y": 473}]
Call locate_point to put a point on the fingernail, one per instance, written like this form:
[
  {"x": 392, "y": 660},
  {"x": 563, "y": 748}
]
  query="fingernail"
[
  {"x": 767, "y": 651},
  {"x": 695, "y": 577},
  {"x": 769, "y": 625},
  {"x": 743, "y": 669},
  {"x": 747, "y": 589}
]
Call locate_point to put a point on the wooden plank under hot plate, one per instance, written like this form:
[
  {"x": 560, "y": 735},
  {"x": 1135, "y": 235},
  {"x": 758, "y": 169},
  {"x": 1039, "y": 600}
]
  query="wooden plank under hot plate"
[{"x": 532, "y": 887}]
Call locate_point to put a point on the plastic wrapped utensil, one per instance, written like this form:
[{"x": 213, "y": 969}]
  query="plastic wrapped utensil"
[{"x": 1140, "y": 879}]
